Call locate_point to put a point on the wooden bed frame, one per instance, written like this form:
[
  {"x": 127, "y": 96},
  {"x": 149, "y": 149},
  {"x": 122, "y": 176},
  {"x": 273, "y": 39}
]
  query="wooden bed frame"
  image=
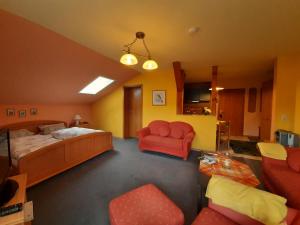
[{"x": 58, "y": 157}]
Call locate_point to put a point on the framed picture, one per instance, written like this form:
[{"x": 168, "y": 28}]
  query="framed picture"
[
  {"x": 33, "y": 111},
  {"x": 22, "y": 113},
  {"x": 159, "y": 97},
  {"x": 10, "y": 112}
]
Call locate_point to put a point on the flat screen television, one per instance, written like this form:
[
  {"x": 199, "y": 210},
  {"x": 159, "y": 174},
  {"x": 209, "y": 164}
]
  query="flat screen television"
[
  {"x": 7, "y": 187},
  {"x": 197, "y": 94}
]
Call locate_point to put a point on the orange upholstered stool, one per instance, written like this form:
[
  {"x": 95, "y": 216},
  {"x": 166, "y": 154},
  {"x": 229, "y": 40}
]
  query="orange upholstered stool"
[{"x": 146, "y": 205}]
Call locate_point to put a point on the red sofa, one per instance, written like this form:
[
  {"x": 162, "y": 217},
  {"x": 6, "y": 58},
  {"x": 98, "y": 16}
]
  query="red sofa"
[
  {"x": 280, "y": 177},
  {"x": 219, "y": 215},
  {"x": 174, "y": 138}
]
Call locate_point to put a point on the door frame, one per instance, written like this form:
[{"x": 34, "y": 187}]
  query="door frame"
[{"x": 125, "y": 122}]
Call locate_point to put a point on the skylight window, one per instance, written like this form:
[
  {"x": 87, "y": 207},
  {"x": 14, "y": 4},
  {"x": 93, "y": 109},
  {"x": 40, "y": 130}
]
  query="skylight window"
[{"x": 97, "y": 85}]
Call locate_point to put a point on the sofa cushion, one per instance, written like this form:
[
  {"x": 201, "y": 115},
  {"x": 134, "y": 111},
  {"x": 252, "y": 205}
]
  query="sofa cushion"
[
  {"x": 272, "y": 150},
  {"x": 285, "y": 180},
  {"x": 156, "y": 124},
  {"x": 176, "y": 132},
  {"x": 293, "y": 160},
  {"x": 164, "y": 131},
  {"x": 208, "y": 216},
  {"x": 158, "y": 141},
  {"x": 185, "y": 127}
]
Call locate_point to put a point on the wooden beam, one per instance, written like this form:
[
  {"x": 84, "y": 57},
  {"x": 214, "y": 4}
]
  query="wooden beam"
[
  {"x": 214, "y": 93},
  {"x": 179, "y": 78}
]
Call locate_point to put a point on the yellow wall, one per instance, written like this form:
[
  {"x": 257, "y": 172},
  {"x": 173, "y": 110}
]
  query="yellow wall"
[
  {"x": 287, "y": 78},
  {"x": 297, "y": 109},
  {"x": 107, "y": 113}
]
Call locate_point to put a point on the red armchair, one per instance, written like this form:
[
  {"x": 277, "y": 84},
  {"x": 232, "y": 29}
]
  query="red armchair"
[
  {"x": 282, "y": 177},
  {"x": 216, "y": 214},
  {"x": 174, "y": 138}
]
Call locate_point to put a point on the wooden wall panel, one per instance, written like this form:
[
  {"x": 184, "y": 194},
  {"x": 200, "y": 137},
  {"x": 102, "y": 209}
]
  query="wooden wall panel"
[
  {"x": 252, "y": 100},
  {"x": 214, "y": 93},
  {"x": 266, "y": 113},
  {"x": 179, "y": 78}
]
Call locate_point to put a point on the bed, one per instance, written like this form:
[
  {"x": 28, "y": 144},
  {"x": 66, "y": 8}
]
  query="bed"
[{"x": 60, "y": 155}]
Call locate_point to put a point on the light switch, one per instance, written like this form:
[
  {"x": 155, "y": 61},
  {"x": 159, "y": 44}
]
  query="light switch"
[{"x": 284, "y": 117}]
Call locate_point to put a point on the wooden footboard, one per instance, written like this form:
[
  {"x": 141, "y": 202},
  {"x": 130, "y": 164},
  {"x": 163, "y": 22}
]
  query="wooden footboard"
[{"x": 58, "y": 157}]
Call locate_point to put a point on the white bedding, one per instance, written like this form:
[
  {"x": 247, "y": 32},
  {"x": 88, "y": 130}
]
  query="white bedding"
[
  {"x": 72, "y": 132},
  {"x": 24, "y": 145}
]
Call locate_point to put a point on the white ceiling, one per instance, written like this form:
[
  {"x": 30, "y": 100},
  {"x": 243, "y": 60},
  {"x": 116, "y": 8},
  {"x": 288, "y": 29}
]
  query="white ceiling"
[{"x": 243, "y": 37}]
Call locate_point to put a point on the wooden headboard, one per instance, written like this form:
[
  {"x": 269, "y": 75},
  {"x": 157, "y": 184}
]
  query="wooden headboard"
[{"x": 31, "y": 125}]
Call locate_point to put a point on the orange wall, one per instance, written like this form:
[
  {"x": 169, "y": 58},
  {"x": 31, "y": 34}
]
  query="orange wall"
[{"x": 46, "y": 112}]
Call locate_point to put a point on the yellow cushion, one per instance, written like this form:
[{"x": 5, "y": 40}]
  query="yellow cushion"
[
  {"x": 260, "y": 205},
  {"x": 272, "y": 150}
]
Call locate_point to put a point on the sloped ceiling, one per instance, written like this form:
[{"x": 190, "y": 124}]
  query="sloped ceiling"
[
  {"x": 242, "y": 37},
  {"x": 40, "y": 66}
]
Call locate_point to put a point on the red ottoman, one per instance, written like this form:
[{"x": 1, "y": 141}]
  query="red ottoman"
[{"x": 146, "y": 205}]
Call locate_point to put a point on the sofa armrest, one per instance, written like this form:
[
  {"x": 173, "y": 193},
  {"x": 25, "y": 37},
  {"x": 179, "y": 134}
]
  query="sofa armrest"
[
  {"x": 144, "y": 132},
  {"x": 189, "y": 137}
]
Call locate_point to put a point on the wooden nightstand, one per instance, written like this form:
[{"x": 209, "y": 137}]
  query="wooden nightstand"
[
  {"x": 82, "y": 124},
  {"x": 25, "y": 216}
]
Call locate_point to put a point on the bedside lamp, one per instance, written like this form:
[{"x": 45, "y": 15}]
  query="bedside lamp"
[{"x": 77, "y": 119}]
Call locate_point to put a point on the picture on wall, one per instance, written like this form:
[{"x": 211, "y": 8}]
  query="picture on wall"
[
  {"x": 22, "y": 113},
  {"x": 10, "y": 112},
  {"x": 33, "y": 111},
  {"x": 159, "y": 97}
]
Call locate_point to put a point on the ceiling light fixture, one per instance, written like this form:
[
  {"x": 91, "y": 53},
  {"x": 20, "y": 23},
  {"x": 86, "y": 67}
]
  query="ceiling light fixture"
[{"x": 130, "y": 59}]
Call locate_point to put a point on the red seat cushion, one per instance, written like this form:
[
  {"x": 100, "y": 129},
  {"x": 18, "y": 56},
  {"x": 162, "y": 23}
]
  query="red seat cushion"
[
  {"x": 166, "y": 142},
  {"x": 146, "y": 205},
  {"x": 210, "y": 217},
  {"x": 293, "y": 160}
]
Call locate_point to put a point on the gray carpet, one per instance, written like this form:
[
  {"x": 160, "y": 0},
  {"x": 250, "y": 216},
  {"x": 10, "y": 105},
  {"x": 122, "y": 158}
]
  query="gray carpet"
[{"x": 80, "y": 196}]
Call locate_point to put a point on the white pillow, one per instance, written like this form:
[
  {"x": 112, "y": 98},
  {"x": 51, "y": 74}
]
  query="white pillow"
[{"x": 20, "y": 133}]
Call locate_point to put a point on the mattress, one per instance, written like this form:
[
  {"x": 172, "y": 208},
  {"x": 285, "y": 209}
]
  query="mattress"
[
  {"x": 24, "y": 145},
  {"x": 72, "y": 132}
]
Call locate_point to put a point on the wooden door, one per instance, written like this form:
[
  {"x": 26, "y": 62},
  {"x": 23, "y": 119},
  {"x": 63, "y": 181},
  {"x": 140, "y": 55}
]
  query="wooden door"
[
  {"x": 231, "y": 109},
  {"x": 132, "y": 111},
  {"x": 266, "y": 110}
]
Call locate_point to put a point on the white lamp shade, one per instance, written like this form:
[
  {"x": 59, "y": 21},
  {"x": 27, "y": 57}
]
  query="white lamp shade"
[
  {"x": 128, "y": 59},
  {"x": 77, "y": 117},
  {"x": 150, "y": 65}
]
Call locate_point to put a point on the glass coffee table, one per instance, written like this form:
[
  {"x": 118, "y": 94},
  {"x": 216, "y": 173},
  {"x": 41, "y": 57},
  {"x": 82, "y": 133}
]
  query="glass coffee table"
[{"x": 237, "y": 171}]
